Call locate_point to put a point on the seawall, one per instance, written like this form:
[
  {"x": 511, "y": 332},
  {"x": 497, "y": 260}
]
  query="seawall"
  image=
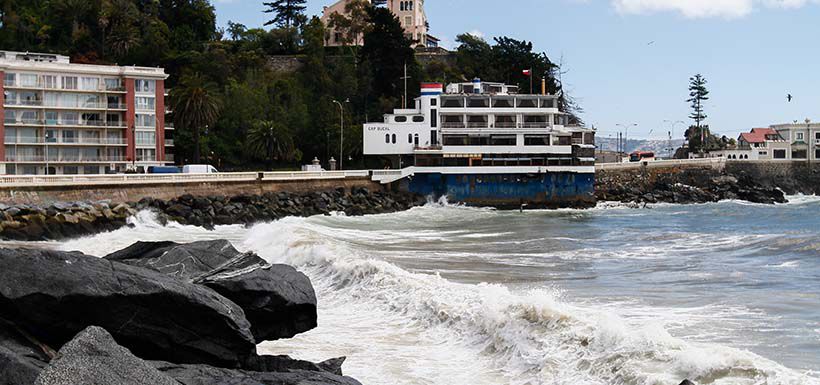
[{"x": 123, "y": 193}]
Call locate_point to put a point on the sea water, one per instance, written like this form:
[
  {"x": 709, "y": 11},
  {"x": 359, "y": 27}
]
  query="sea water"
[{"x": 723, "y": 293}]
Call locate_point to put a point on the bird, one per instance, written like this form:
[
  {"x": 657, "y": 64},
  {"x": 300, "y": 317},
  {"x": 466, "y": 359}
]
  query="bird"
[
  {"x": 651, "y": 42},
  {"x": 789, "y": 98}
]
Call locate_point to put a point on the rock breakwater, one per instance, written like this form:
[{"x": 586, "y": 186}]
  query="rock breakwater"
[{"x": 67, "y": 220}]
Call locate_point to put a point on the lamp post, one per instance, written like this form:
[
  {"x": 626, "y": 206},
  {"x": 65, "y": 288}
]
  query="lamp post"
[
  {"x": 46, "y": 136},
  {"x": 626, "y": 133},
  {"x": 341, "y": 132},
  {"x": 808, "y": 140}
]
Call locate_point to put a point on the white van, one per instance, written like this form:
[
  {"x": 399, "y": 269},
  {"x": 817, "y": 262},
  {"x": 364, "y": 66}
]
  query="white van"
[{"x": 199, "y": 169}]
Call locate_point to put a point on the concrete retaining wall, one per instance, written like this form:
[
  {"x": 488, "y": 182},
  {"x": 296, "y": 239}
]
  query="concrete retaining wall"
[
  {"x": 132, "y": 193},
  {"x": 792, "y": 177}
]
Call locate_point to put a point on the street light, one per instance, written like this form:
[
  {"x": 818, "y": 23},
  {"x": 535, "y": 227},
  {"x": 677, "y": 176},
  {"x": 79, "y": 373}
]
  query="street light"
[
  {"x": 626, "y": 133},
  {"x": 808, "y": 140},
  {"x": 341, "y": 132}
]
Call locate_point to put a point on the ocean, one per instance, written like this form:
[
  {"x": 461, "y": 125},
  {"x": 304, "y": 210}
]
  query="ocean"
[{"x": 723, "y": 293}]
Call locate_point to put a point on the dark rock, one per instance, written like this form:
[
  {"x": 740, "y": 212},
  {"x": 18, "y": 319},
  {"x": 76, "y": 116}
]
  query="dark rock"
[
  {"x": 278, "y": 301},
  {"x": 93, "y": 357},
  {"x": 687, "y": 382},
  {"x": 208, "y": 375},
  {"x": 285, "y": 363},
  {"x": 184, "y": 261},
  {"x": 22, "y": 358},
  {"x": 55, "y": 295}
]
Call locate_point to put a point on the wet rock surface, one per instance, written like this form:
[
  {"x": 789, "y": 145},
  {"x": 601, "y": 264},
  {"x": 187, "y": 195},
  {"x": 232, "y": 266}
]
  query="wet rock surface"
[
  {"x": 68, "y": 220},
  {"x": 195, "y": 324},
  {"x": 684, "y": 187}
]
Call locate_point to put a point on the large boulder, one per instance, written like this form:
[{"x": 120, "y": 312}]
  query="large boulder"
[
  {"x": 93, "y": 357},
  {"x": 286, "y": 363},
  {"x": 184, "y": 261},
  {"x": 208, "y": 375},
  {"x": 22, "y": 358},
  {"x": 55, "y": 295},
  {"x": 278, "y": 301}
]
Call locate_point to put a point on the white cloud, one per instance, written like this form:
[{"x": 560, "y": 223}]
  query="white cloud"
[
  {"x": 476, "y": 33},
  {"x": 729, "y": 9}
]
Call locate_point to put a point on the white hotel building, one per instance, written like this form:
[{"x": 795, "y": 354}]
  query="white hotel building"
[{"x": 65, "y": 118}]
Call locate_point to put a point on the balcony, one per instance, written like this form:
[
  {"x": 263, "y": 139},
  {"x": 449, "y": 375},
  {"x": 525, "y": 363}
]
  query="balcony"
[
  {"x": 169, "y": 143},
  {"x": 90, "y": 106},
  {"x": 169, "y": 126},
  {"x": 71, "y": 123},
  {"x": 63, "y": 159},
  {"x": 67, "y": 141},
  {"x": 453, "y": 125}
]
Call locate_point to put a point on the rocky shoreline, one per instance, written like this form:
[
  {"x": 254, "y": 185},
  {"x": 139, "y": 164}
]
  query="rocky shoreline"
[
  {"x": 154, "y": 313},
  {"x": 684, "y": 187},
  {"x": 66, "y": 220}
]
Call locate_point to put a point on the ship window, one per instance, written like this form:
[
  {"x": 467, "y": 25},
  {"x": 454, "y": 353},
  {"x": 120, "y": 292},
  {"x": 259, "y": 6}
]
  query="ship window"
[
  {"x": 418, "y": 119},
  {"x": 400, "y": 119},
  {"x": 387, "y": 138},
  {"x": 394, "y": 138}
]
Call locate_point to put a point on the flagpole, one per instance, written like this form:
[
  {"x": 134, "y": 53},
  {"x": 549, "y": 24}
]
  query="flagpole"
[{"x": 530, "y": 80}]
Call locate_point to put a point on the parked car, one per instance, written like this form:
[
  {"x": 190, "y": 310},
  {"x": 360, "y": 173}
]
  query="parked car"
[{"x": 199, "y": 169}]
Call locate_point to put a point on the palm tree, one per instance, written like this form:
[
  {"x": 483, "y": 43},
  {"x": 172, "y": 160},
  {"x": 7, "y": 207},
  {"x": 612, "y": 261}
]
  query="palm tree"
[
  {"x": 271, "y": 141},
  {"x": 195, "y": 103}
]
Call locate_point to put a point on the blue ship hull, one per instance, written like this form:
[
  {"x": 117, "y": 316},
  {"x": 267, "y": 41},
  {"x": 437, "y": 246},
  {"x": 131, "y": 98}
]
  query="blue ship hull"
[{"x": 508, "y": 191}]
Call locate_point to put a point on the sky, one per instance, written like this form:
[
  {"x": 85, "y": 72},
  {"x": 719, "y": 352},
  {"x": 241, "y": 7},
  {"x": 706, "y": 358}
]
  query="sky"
[{"x": 628, "y": 62}]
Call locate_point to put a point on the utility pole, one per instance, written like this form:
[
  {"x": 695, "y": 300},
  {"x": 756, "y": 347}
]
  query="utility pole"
[
  {"x": 808, "y": 140},
  {"x": 405, "y": 77}
]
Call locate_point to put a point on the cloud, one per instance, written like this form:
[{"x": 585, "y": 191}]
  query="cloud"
[
  {"x": 730, "y": 9},
  {"x": 476, "y": 33}
]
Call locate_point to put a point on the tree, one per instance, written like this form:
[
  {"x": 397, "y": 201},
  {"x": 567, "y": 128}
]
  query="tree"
[
  {"x": 286, "y": 12},
  {"x": 352, "y": 25},
  {"x": 386, "y": 51},
  {"x": 236, "y": 30},
  {"x": 196, "y": 105},
  {"x": 271, "y": 141},
  {"x": 698, "y": 94}
]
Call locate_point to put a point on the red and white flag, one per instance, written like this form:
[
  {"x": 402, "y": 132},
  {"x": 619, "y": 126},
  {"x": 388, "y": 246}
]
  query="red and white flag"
[{"x": 527, "y": 72}]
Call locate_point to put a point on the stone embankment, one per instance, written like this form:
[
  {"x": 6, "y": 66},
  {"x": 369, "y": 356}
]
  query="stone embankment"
[
  {"x": 66, "y": 220},
  {"x": 154, "y": 313},
  {"x": 683, "y": 186}
]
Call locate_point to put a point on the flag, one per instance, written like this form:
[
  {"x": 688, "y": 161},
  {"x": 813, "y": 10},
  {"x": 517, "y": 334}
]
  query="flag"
[{"x": 527, "y": 72}]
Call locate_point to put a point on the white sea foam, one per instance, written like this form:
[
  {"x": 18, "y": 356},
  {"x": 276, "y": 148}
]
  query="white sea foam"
[{"x": 400, "y": 327}]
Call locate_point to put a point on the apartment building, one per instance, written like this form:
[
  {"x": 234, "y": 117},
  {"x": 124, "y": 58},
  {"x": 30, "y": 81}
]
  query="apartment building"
[
  {"x": 409, "y": 12},
  {"x": 60, "y": 117}
]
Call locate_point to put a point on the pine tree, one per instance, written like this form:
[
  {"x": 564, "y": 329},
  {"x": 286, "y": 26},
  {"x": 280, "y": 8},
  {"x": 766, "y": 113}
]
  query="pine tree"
[
  {"x": 287, "y": 12},
  {"x": 698, "y": 94}
]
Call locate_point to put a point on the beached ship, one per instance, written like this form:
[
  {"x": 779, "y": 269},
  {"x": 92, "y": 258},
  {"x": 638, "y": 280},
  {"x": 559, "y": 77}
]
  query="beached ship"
[{"x": 485, "y": 144}]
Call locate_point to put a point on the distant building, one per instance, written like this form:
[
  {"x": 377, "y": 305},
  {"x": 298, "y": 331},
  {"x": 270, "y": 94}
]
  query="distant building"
[
  {"x": 779, "y": 142},
  {"x": 409, "y": 12},
  {"x": 64, "y": 118}
]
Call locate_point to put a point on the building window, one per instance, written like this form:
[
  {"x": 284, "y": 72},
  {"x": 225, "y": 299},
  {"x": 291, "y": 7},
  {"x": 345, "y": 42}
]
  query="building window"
[
  {"x": 433, "y": 102},
  {"x": 145, "y": 103},
  {"x": 69, "y": 136},
  {"x": 145, "y": 120},
  {"x": 91, "y": 170},
  {"x": 433, "y": 118},
  {"x": 799, "y": 136},
  {"x": 763, "y": 153},
  {"x": 409, "y": 138},
  {"x": 49, "y": 81},
  {"x": 146, "y": 155},
  {"x": 145, "y": 86},
  {"x": 146, "y": 138},
  {"x": 400, "y": 119},
  {"x": 536, "y": 140},
  {"x": 70, "y": 170},
  {"x": 416, "y": 140},
  {"x": 799, "y": 154},
  {"x": 69, "y": 82},
  {"x": 408, "y": 21},
  {"x": 113, "y": 84},
  {"x": 28, "y": 80},
  {"x": 418, "y": 119},
  {"x": 779, "y": 154},
  {"x": 401, "y": 6},
  {"x": 9, "y": 79},
  {"x": 817, "y": 153},
  {"x": 394, "y": 138},
  {"x": 90, "y": 84},
  {"x": 387, "y": 138}
]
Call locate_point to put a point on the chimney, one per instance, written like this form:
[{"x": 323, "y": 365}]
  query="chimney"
[{"x": 543, "y": 86}]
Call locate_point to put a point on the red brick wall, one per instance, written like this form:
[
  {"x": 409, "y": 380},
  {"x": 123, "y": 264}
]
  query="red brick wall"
[
  {"x": 2, "y": 119},
  {"x": 160, "y": 105},
  {"x": 130, "y": 120}
]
